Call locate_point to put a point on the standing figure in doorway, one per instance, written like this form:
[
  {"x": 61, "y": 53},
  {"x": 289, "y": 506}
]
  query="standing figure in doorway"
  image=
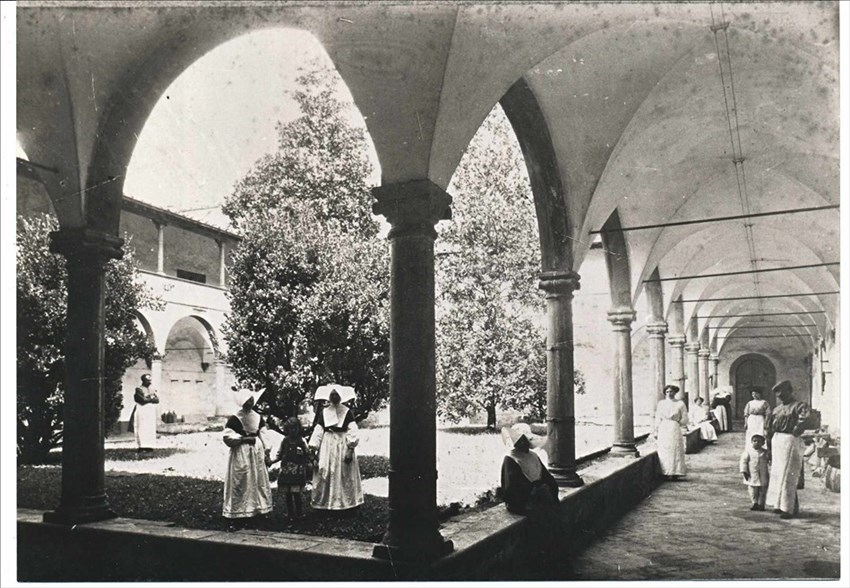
[
  {"x": 144, "y": 415},
  {"x": 786, "y": 425},
  {"x": 336, "y": 477},
  {"x": 756, "y": 415},
  {"x": 670, "y": 416}
]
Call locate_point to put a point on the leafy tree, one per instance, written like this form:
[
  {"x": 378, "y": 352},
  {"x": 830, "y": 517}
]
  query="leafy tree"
[
  {"x": 309, "y": 281},
  {"x": 491, "y": 346},
  {"x": 321, "y": 160},
  {"x": 42, "y": 296}
]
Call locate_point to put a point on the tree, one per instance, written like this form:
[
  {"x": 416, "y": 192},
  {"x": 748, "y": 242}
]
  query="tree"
[
  {"x": 309, "y": 281},
  {"x": 42, "y": 295},
  {"x": 491, "y": 345}
]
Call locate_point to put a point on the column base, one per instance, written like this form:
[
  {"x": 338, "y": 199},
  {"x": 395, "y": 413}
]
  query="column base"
[
  {"x": 566, "y": 478},
  {"x": 423, "y": 552},
  {"x": 624, "y": 450},
  {"x": 98, "y": 509}
]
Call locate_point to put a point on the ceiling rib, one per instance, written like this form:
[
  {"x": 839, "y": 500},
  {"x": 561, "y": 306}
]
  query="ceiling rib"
[{"x": 734, "y": 136}]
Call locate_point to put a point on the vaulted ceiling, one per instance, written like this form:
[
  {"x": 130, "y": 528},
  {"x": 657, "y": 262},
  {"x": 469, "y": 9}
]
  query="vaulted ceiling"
[{"x": 646, "y": 107}]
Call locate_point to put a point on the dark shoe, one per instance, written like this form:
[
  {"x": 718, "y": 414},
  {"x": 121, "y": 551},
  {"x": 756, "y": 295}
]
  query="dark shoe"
[
  {"x": 754, "y": 507},
  {"x": 786, "y": 515},
  {"x": 760, "y": 507},
  {"x": 777, "y": 511}
]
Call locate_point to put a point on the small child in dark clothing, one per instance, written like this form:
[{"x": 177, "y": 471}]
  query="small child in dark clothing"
[
  {"x": 294, "y": 457},
  {"x": 756, "y": 471}
]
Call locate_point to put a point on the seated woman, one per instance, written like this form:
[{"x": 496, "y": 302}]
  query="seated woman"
[
  {"x": 701, "y": 419},
  {"x": 527, "y": 486}
]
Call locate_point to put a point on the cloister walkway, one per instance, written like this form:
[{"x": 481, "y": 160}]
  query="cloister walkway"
[{"x": 702, "y": 529}]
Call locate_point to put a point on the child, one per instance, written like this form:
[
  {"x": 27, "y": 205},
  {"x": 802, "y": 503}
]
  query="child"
[
  {"x": 756, "y": 472},
  {"x": 293, "y": 456}
]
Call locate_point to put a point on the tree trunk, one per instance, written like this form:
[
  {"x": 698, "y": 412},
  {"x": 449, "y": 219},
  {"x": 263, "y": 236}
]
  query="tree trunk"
[{"x": 491, "y": 416}]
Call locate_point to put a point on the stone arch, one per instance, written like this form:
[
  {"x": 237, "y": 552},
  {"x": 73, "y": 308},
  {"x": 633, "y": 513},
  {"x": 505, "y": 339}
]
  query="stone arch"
[
  {"x": 145, "y": 325},
  {"x": 617, "y": 262},
  {"x": 748, "y": 370},
  {"x": 529, "y": 123}
]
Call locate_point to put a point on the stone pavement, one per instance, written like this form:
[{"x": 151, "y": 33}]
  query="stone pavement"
[{"x": 701, "y": 528}]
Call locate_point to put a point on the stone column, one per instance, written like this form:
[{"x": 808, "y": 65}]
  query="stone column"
[
  {"x": 657, "y": 332},
  {"x": 715, "y": 361},
  {"x": 156, "y": 372},
  {"x": 624, "y": 420},
  {"x": 677, "y": 343},
  {"x": 83, "y": 499},
  {"x": 223, "y": 404},
  {"x": 412, "y": 209},
  {"x": 704, "y": 391},
  {"x": 560, "y": 384},
  {"x": 160, "y": 247},
  {"x": 222, "y": 277},
  {"x": 692, "y": 350}
]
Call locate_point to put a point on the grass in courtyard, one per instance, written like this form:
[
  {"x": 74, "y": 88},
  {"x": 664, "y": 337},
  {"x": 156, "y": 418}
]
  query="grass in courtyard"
[{"x": 195, "y": 503}]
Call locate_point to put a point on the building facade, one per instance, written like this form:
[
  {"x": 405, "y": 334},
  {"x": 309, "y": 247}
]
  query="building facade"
[{"x": 184, "y": 263}]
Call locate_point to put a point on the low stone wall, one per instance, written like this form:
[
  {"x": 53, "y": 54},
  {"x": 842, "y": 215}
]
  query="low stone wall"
[
  {"x": 693, "y": 443},
  {"x": 489, "y": 545},
  {"x": 501, "y": 545}
]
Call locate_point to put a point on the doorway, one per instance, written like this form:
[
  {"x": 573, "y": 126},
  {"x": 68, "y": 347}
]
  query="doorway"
[{"x": 751, "y": 371}]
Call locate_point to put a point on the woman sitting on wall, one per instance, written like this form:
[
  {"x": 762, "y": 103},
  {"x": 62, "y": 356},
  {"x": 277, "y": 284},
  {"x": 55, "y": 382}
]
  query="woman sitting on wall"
[
  {"x": 527, "y": 486},
  {"x": 701, "y": 419}
]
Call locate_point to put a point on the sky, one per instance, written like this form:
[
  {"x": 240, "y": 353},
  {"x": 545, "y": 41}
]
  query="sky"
[{"x": 218, "y": 118}]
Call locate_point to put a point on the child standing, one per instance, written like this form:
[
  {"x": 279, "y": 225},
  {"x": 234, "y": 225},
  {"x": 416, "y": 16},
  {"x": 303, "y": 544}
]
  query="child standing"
[
  {"x": 294, "y": 457},
  {"x": 756, "y": 471}
]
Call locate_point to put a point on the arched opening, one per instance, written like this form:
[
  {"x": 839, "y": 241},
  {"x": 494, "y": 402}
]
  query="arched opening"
[
  {"x": 750, "y": 371},
  {"x": 133, "y": 375},
  {"x": 253, "y": 97},
  {"x": 188, "y": 386}
]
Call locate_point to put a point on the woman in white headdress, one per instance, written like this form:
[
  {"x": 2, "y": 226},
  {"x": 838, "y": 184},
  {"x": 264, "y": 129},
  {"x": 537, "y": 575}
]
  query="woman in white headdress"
[
  {"x": 336, "y": 479},
  {"x": 247, "y": 491},
  {"x": 527, "y": 486}
]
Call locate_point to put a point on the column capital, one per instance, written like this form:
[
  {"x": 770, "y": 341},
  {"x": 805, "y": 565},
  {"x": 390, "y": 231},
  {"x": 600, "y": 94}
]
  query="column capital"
[
  {"x": 559, "y": 283},
  {"x": 676, "y": 340},
  {"x": 621, "y": 317},
  {"x": 86, "y": 247},
  {"x": 412, "y": 207},
  {"x": 704, "y": 353},
  {"x": 715, "y": 358},
  {"x": 156, "y": 356},
  {"x": 656, "y": 330},
  {"x": 692, "y": 348}
]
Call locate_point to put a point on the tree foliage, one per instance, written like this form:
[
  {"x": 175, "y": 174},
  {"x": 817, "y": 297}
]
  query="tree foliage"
[
  {"x": 42, "y": 295},
  {"x": 309, "y": 281},
  {"x": 491, "y": 344}
]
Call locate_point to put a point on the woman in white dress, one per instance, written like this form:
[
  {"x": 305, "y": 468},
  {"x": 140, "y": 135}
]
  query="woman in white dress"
[
  {"x": 670, "y": 416},
  {"x": 757, "y": 414},
  {"x": 336, "y": 480},
  {"x": 247, "y": 491},
  {"x": 701, "y": 419}
]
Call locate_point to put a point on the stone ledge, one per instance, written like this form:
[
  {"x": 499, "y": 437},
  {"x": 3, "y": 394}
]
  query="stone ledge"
[{"x": 487, "y": 543}]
